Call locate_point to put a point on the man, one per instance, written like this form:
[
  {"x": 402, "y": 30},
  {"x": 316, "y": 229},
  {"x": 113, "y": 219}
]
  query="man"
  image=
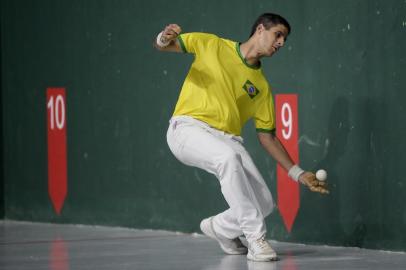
[{"x": 224, "y": 88}]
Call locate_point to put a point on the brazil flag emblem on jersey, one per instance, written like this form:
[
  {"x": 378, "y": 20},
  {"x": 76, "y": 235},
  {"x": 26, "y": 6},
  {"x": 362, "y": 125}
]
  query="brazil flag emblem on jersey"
[{"x": 250, "y": 88}]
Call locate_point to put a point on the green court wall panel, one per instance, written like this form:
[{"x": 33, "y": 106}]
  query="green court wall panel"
[{"x": 344, "y": 59}]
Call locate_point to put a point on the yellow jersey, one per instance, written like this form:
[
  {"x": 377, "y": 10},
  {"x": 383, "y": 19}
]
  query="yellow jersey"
[{"x": 221, "y": 89}]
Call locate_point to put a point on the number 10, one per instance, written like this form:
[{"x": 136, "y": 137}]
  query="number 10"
[{"x": 57, "y": 112}]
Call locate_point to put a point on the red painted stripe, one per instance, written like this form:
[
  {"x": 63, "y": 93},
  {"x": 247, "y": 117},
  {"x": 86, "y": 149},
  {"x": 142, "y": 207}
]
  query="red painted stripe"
[
  {"x": 57, "y": 161},
  {"x": 287, "y": 132}
]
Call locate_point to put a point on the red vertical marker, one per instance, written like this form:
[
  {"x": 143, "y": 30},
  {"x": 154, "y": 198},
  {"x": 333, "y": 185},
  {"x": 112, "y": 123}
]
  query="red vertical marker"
[
  {"x": 57, "y": 167},
  {"x": 287, "y": 132}
]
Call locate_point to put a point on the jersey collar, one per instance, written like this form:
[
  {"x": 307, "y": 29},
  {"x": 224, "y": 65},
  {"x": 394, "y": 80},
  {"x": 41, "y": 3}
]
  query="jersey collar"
[{"x": 237, "y": 47}]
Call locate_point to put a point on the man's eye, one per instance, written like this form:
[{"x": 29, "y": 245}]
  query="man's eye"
[{"x": 279, "y": 35}]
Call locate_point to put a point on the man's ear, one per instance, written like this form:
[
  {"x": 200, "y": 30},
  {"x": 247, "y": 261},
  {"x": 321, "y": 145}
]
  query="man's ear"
[{"x": 260, "y": 28}]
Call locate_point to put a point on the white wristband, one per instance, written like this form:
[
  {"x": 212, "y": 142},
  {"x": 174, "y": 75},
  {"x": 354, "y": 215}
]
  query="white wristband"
[
  {"x": 159, "y": 41},
  {"x": 295, "y": 172}
]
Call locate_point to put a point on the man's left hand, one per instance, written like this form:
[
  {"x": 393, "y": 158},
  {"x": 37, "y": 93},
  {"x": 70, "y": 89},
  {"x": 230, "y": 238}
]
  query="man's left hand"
[{"x": 309, "y": 179}]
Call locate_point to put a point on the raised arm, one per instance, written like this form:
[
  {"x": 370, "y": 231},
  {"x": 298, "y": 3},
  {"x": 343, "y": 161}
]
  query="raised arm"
[{"x": 167, "y": 40}]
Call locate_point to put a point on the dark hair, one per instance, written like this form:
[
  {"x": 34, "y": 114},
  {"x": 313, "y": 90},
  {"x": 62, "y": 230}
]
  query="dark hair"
[{"x": 269, "y": 20}]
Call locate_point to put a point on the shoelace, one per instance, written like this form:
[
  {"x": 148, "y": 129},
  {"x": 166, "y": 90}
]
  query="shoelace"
[{"x": 262, "y": 243}]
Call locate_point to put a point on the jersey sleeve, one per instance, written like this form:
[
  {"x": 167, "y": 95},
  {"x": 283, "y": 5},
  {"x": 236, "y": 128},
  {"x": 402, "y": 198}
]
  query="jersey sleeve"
[
  {"x": 195, "y": 43},
  {"x": 264, "y": 117}
]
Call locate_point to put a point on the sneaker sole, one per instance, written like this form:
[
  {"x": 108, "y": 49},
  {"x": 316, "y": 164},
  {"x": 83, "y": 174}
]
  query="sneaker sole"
[{"x": 268, "y": 259}]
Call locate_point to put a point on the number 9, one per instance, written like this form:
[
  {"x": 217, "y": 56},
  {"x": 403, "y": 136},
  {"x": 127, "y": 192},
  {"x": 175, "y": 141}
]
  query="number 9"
[{"x": 286, "y": 122}]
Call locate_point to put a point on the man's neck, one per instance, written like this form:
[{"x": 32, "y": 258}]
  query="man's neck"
[{"x": 250, "y": 53}]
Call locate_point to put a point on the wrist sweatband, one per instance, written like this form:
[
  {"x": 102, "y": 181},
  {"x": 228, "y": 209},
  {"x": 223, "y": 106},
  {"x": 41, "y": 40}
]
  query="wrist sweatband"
[
  {"x": 295, "y": 172},
  {"x": 159, "y": 41}
]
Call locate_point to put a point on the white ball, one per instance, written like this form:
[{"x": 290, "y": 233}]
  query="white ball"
[{"x": 321, "y": 175}]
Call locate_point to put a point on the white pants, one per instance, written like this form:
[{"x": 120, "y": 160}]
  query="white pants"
[{"x": 195, "y": 143}]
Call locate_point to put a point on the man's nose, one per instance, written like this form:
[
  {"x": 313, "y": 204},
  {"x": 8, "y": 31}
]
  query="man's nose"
[{"x": 281, "y": 42}]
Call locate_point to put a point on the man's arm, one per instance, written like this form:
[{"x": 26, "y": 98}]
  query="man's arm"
[
  {"x": 167, "y": 39},
  {"x": 274, "y": 147}
]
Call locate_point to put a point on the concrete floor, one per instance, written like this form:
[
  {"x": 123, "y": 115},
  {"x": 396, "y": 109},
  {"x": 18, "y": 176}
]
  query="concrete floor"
[{"x": 61, "y": 247}]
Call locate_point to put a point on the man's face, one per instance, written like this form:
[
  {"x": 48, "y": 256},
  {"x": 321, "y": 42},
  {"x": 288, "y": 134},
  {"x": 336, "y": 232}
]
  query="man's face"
[{"x": 271, "y": 40}]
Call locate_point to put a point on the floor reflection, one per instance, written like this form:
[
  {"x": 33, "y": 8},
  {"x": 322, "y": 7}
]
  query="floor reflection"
[
  {"x": 289, "y": 262},
  {"x": 58, "y": 255},
  {"x": 228, "y": 262},
  {"x": 262, "y": 265}
]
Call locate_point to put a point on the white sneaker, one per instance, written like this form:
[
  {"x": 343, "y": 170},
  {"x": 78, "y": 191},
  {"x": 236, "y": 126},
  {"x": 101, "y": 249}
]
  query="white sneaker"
[
  {"x": 260, "y": 250},
  {"x": 229, "y": 246}
]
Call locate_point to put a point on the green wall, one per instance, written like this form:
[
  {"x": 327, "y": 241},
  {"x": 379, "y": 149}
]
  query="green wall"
[
  {"x": 1, "y": 170},
  {"x": 345, "y": 59}
]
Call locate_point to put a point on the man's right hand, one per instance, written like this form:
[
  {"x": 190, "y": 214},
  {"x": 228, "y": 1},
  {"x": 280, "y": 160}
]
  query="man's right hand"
[
  {"x": 171, "y": 32},
  {"x": 166, "y": 40}
]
